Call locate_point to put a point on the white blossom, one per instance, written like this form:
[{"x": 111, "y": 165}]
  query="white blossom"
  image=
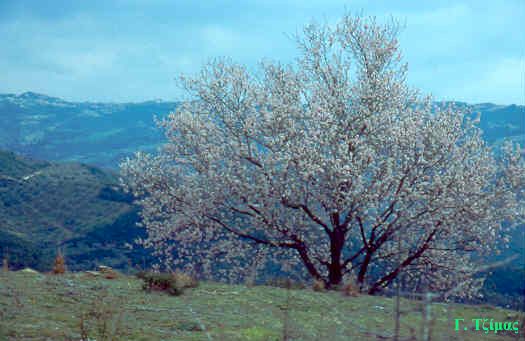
[{"x": 332, "y": 160}]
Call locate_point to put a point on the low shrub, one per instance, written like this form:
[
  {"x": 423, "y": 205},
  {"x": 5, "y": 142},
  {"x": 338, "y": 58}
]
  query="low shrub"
[
  {"x": 172, "y": 283},
  {"x": 350, "y": 289},
  {"x": 318, "y": 285},
  {"x": 59, "y": 267}
]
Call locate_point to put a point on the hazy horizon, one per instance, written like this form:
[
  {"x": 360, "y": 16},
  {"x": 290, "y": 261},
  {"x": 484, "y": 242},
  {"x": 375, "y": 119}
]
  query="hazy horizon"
[{"x": 175, "y": 100}]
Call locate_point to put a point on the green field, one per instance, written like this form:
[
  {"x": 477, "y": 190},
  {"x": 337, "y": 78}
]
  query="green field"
[{"x": 77, "y": 306}]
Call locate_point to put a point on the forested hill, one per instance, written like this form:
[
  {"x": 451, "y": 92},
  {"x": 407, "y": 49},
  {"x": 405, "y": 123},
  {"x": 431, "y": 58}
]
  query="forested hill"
[
  {"x": 102, "y": 134},
  {"x": 73, "y": 207}
]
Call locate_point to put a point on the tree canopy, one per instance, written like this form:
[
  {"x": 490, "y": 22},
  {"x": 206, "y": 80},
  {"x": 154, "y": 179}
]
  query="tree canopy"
[{"x": 333, "y": 160}]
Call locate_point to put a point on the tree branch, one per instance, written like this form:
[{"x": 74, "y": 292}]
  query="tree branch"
[{"x": 393, "y": 274}]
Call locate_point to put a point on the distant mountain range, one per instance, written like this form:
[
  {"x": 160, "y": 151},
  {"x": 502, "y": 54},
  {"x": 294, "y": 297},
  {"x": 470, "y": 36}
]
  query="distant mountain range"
[
  {"x": 103, "y": 134},
  {"x": 100, "y": 134}
]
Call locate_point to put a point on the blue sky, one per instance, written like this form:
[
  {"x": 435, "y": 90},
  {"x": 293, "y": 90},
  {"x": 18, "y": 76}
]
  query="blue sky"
[{"x": 132, "y": 50}]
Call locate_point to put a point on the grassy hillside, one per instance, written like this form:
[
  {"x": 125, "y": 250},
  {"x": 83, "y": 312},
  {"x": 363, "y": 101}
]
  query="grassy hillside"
[
  {"x": 47, "y": 307},
  {"x": 73, "y": 207}
]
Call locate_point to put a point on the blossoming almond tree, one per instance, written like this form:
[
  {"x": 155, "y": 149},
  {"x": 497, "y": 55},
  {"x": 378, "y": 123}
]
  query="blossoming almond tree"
[{"x": 333, "y": 160}]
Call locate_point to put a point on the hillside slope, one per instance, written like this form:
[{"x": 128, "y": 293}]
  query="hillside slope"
[
  {"x": 72, "y": 207},
  {"x": 61, "y": 307}
]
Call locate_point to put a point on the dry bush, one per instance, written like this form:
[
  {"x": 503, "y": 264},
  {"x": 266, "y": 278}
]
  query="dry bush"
[
  {"x": 172, "y": 283},
  {"x": 318, "y": 285},
  {"x": 160, "y": 282},
  {"x": 350, "y": 289},
  {"x": 59, "y": 266}
]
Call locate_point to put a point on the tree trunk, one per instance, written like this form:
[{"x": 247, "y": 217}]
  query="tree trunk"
[
  {"x": 335, "y": 275},
  {"x": 303, "y": 253},
  {"x": 363, "y": 268},
  {"x": 335, "y": 268}
]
